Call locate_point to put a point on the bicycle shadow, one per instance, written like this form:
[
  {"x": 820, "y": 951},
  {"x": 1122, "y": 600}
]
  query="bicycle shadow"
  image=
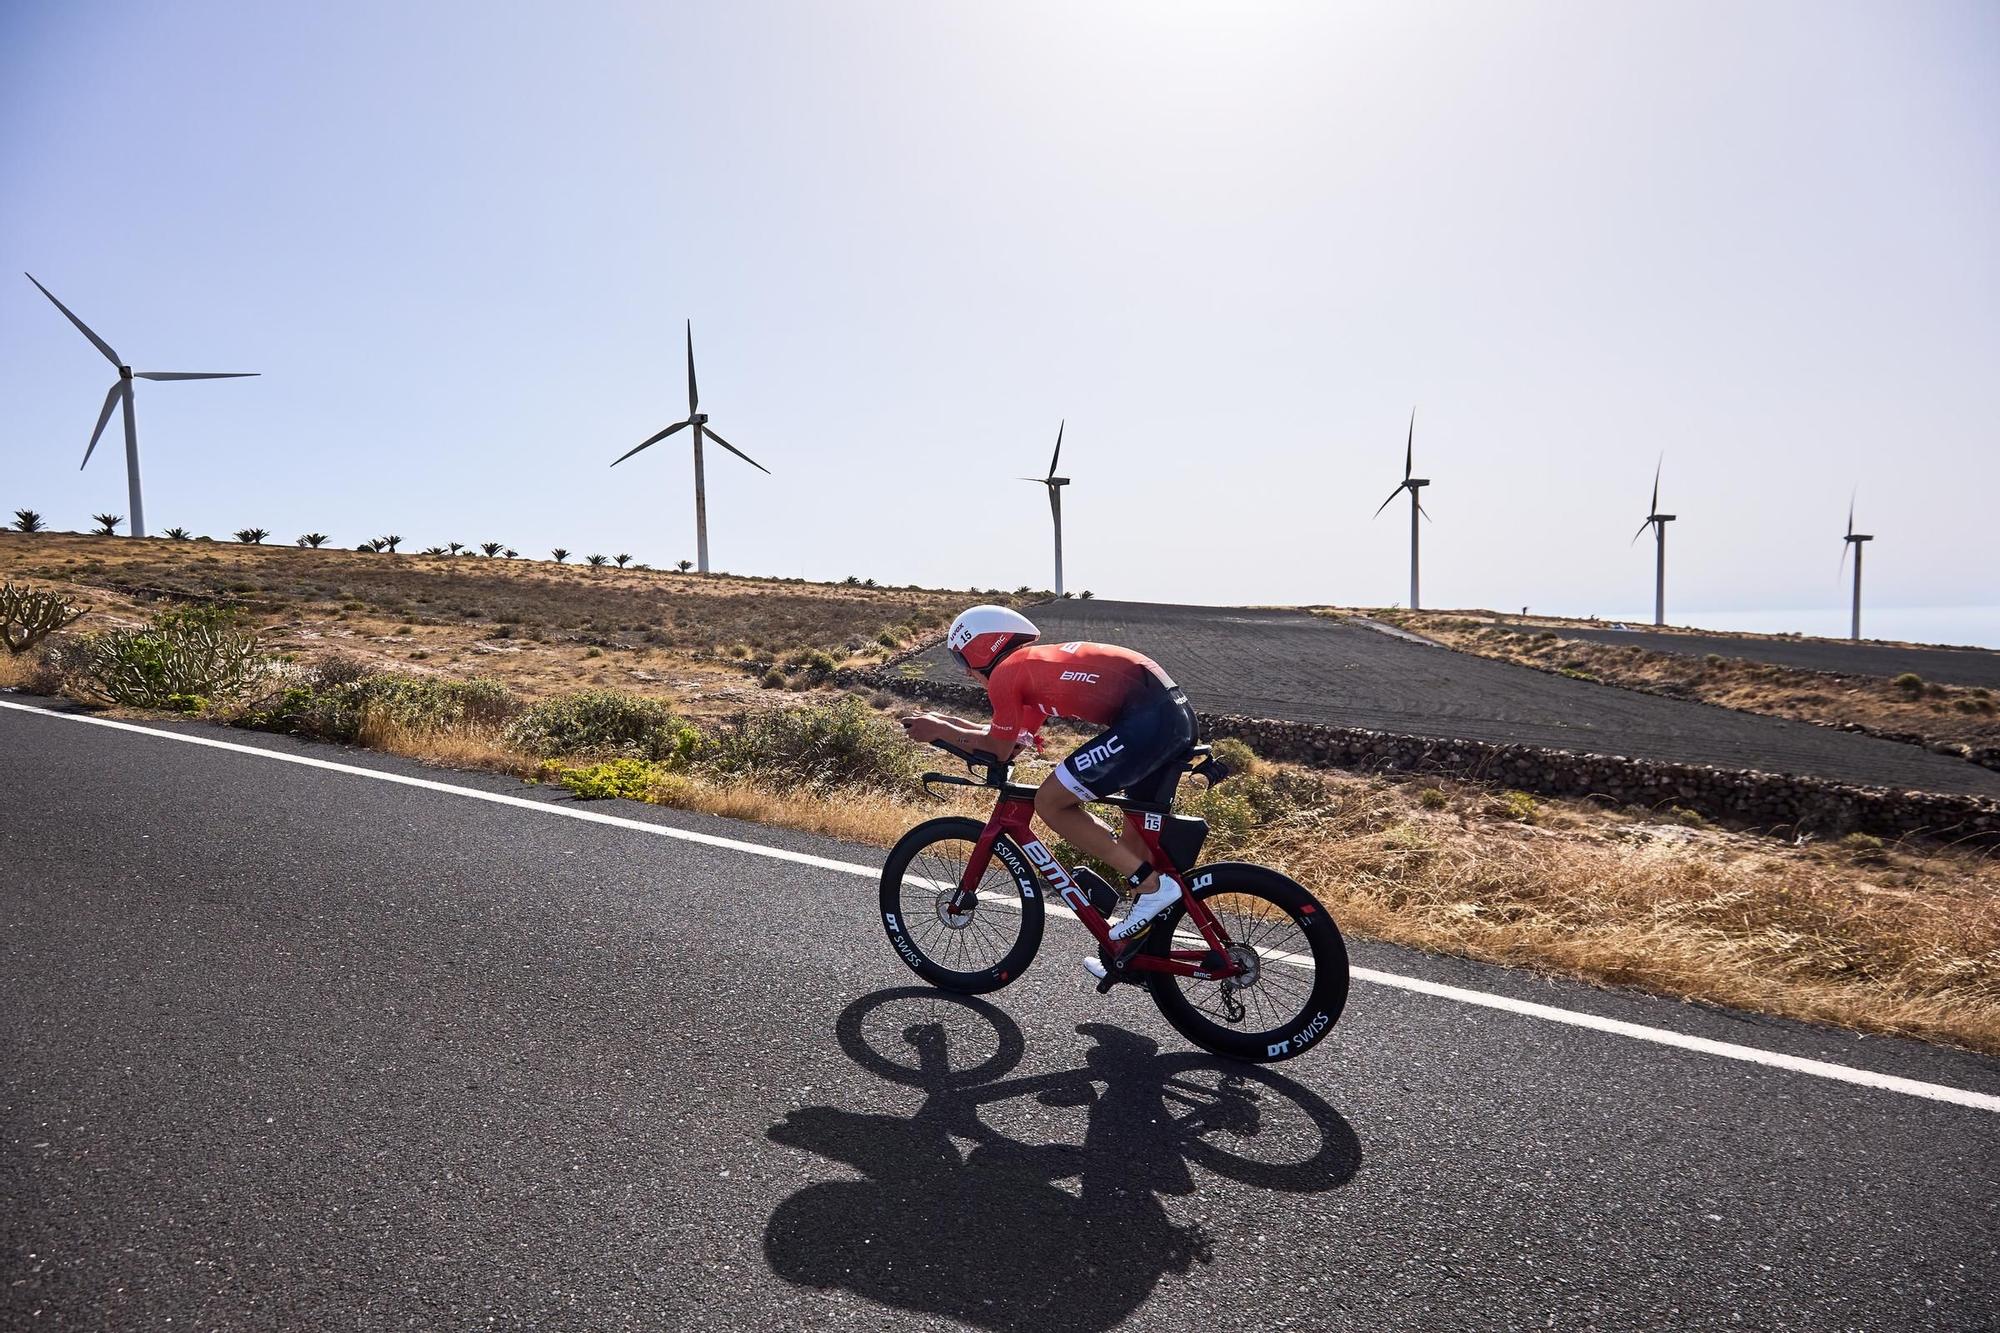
[{"x": 988, "y": 1236}]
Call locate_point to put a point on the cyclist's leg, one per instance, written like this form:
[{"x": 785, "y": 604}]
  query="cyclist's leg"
[{"x": 1141, "y": 753}]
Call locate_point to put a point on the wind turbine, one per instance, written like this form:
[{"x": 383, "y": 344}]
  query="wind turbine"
[
  {"x": 121, "y": 392},
  {"x": 1658, "y": 522},
  {"x": 1412, "y": 485},
  {"x": 699, "y": 420},
  {"x": 1854, "y": 539},
  {"x": 1055, "y": 485}
]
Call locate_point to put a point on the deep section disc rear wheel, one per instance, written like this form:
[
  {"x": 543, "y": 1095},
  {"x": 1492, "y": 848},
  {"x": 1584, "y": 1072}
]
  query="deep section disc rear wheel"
[
  {"x": 1296, "y": 982},
  {"x": 966, "y": 948}
]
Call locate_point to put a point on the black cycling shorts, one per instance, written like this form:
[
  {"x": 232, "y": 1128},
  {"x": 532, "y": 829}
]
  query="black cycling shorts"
[{"x": 1139, "y": 754}]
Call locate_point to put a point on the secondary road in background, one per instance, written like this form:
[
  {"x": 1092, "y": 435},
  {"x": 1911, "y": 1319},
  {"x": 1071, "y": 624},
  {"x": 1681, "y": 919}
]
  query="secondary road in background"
[
  {"x": 1307, "y": 668},
  {"x": 290, "y": 1048},
  {"x": 1948, "y": 666}
]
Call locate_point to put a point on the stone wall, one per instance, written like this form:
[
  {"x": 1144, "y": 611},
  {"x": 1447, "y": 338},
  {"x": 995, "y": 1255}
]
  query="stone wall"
[{"x": 1744, "y": 797}]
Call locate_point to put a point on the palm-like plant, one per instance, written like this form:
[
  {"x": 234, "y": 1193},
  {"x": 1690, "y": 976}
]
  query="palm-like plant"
[
  {"x": 684, "y": 565},
  {"x": 389, "y": 543},
  {"x": 621, "y": 559},
  {"x": 456, "y": 547},
  {"x": 252, "y": 536},
  {"x": 1086, "y": 594},
  {"x": 595, "y": 561},
  {"x": 491, "y": 549},
  {"x": 510, "y": 553},
  {"x": 435, "y": 550},
  {"x": 107, "y": 524},
  {"x": 315, "y": 540},
  {"x": 561, "y": 553},
  {"x": 178, "y": 535},
  {"x": 27, "y": 520}
]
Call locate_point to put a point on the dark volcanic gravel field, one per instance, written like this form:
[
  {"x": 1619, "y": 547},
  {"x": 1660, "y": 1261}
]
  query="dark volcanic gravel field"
[
  {"x": 1947, "y": 666},
  {"x": 1287, "y": 664}
]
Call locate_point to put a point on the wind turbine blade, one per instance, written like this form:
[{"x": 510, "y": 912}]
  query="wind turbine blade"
[
  {"x": 1425, "y": 512},
  {"x": 694, "y": 395},
  {"x": 110, "y": 401},
  {"x": 1656, "y": 483},
  {"x": 1850, "y": 518},
  {"x": 709, "y": 431},
  {"x": 1385, "y": 504},
  {"x": 193, "y": 375},
  {"x": 98, "y": 342},
  {"x": 1840, "y": 570},
  {"x": 1410, "y": 447},
  {"x": 1058, "y": 452},
  {"x": 1640, "y": 533},
  {"x": 649, "y": 442}
]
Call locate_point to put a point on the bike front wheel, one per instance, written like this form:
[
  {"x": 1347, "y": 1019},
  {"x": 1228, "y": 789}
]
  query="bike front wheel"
[
  {"x": 1296, "y": 980},
  {"x": 975, "y": 950}
]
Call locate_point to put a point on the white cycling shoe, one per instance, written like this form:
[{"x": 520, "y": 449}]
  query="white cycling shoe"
[
  {"x": 1096, "y": 968},
  {"x": 1146, "y": 907}
]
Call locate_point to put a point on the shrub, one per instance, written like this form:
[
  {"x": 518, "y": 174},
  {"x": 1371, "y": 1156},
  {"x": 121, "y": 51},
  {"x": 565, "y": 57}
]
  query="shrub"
[
  {"x": 628, "y": 779},
  {"x": 187, "y": 651},
  {"x": 1687, "y": 818},
  {"x": 816, "y": 663},
  {"x": 1909, "y": 682},
  {"x": 819, "y": 745},
  {"x": 27, "y": 616},
  {"x": 1713, "y": 659},
  {"x": 1237, "y": 756},
  {"x": 773, "y": 679},
  {"x": 1433, "y": 798},
  {"x": 1516, "y": 805},
  {"x": 1864, "y": 846},
  {"x": 888, "y": 639},
  {"x": 335, "y": 698},
  {"x": 605, "y": 722}
]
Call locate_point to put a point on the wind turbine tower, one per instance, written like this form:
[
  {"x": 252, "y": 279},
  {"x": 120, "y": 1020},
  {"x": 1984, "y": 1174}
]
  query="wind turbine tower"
[
  {"x": 121, "y": 394},
  {"x": 702, "y": 430},
  {"x": 1658, "y": 522},
  {"x": 1412, "y": 485},
  {"x": 1055, "y": 485},
  {"x": 1854, "y": 539}
]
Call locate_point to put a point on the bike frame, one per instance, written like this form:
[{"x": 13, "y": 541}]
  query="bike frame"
[{"x": 1013, "y": 815}]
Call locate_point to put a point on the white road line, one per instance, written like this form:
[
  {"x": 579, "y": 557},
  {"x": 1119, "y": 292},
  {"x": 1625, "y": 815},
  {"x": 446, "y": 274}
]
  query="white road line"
[{"x": 1636, "y": 1031}]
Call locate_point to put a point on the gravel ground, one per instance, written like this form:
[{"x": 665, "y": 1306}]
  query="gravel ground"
[
  {"x": 1946, "y": 666},
  {"x": 1287, "y": 664}
]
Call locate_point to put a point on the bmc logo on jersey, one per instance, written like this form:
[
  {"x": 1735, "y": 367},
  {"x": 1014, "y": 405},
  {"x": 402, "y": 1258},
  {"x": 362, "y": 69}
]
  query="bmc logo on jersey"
[
  {"x": 1097, "y": 754},
  {"x": 1087, "y": 677}
]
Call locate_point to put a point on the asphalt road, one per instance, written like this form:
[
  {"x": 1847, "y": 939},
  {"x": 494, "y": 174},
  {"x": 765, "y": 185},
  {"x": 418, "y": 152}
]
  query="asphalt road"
[
  {"x": 287, "y": 1048},
  {"x": 1288, "y": 664},
  {"x": 1948, "y": 666}
]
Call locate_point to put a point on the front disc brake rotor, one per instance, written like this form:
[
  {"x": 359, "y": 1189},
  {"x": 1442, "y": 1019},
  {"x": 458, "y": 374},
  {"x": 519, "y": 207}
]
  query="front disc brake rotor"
[{"x": 952, "y": 920}]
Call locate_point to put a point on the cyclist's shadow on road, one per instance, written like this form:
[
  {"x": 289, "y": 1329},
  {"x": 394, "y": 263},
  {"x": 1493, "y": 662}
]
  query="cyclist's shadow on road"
[{"x": 988, "y": 1235}]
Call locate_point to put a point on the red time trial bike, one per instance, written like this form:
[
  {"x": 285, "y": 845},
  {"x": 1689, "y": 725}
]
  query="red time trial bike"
[{"x": 1248, "y": 964}]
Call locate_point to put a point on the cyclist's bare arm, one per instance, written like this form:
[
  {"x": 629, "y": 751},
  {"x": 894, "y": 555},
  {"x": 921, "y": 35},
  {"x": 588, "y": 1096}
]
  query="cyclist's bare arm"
[{"x": 928, "y": 727}]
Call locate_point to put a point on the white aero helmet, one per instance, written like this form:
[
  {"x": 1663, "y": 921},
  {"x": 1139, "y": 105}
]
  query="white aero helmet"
[{"x": 982, "y": 635}]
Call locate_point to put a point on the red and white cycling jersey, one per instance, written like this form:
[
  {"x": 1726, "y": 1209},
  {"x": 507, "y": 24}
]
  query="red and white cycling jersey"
[{"x": 1087, "y": 682}]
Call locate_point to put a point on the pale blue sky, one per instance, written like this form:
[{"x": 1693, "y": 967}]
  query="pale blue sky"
[{"x": 1232, "y": 244}]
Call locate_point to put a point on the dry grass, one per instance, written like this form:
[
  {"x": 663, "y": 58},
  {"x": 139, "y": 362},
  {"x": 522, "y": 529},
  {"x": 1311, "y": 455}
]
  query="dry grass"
[
  {"x": 1936, "y": 713},
  {"x": 540, "y": 627}
]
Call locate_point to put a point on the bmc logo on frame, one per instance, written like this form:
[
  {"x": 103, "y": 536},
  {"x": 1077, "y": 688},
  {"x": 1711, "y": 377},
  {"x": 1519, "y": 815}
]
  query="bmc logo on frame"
[
  {"x": 1046, "y": 862},
  {"x": 1098, "y": 754}
]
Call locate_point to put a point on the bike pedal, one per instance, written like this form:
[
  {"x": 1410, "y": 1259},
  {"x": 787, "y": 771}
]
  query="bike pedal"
[{"x": 1104, "y": 986}]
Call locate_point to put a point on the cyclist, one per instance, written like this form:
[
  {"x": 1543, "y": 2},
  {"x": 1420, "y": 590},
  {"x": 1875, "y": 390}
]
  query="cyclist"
[{"x": 1149, "y": 728}]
